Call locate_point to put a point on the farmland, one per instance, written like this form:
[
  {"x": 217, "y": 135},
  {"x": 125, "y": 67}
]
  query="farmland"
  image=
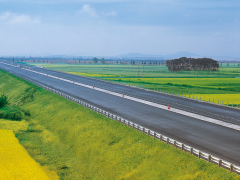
[
  {"x": 78, "y": 143},
  {"x": 222, "y": 85},
  {"x": 135, "y": 71},
  {"x": 16, "y": 163}
]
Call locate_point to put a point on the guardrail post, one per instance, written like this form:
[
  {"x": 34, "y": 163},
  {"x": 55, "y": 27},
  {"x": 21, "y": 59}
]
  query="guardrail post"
[
  {"x": 182, "y": 147},
  {"x": 148, "y": 132},
  {"x": 174, "y": 143},
  {"x": 154, "y": 135},
  {"x": 209, "y": 158},
  {"x": 199, "y": 154},
  {"x": 232, "y": 104},
  {"x": 160, "y": 137},
  {"x": 191, "y": 150},
  {"x": 227, "y": 103},
  {"x": 219, "y": 163},
  {"x": 238, "y": 106},
  {"x": 167, "y": 140},
  {"x": 231, "y": 168}
]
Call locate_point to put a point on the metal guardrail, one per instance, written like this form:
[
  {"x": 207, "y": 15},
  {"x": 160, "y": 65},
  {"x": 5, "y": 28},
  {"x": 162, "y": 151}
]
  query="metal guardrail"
[{"x": 201, "y": 155}]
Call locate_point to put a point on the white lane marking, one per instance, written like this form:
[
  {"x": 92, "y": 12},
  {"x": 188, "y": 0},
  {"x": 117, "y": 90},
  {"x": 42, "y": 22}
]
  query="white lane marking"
[{"x": 196, "y": 116}]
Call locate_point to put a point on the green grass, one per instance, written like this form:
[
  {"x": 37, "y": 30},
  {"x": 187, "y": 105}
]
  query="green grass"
[
  {"x": 129, "y": 71},
  {"x": 78, "y": 143},
  {"x": 187, "y": 85}
]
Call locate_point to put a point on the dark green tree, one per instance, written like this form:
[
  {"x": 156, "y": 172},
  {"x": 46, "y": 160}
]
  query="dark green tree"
[
  {"x": 3, "y": 100},
  {"x": 103, "y": 61},
  {"x": 95, "y": 60}
]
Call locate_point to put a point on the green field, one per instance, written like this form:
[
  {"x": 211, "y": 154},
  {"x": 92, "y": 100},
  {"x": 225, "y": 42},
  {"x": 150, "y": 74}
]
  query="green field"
[
  {"x": 78, "y": 143},
  {"x": 135, "y": 71},
  {"x": 222, "y": 86}
]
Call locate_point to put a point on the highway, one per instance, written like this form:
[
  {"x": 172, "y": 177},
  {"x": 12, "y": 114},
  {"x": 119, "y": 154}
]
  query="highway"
[{"x": 214, "y": 139}]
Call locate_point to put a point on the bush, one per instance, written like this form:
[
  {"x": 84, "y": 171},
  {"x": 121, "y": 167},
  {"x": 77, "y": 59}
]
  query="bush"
[
  {"x": 12, "y": 113},
  {"x": 3, "y": 100}
]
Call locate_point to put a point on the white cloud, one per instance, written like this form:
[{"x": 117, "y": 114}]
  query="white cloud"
[
  {"x": 5, "y": 15},
  {"x": 23, "y": 19},
  {"x": 92, "y": 12},
  {"x": 12, "y": 18},
  {"x": 112, "y": 13},
  {"x": 88, "y": 10}
]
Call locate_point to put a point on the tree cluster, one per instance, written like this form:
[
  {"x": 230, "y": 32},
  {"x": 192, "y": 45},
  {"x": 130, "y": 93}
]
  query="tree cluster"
[{"x": 187, "y": 64}]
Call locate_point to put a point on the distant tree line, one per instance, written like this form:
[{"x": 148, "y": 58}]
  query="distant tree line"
[{"x": 187, "y": 64}]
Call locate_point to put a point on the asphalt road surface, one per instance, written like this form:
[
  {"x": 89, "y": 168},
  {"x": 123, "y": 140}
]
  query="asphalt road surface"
[{"x": 217, "y": 140}]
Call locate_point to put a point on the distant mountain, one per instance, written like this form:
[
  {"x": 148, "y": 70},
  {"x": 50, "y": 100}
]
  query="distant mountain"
[
  {"x": 181, "y": 54},
  {"x": 138, "y": 56},
  {"x": 159, "y": 57}
]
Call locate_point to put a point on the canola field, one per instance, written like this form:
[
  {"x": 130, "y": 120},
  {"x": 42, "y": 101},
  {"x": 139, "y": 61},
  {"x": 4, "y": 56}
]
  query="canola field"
[
  {"x": 219, "y": 98},
  {"x": 15, "y": 162}
]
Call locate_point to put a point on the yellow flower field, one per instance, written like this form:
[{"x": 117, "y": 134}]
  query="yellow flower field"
[
  {"x": 93, "y": 74},
  {"x": 230, "y": 98},
  {"x": 15, "y": 162}
]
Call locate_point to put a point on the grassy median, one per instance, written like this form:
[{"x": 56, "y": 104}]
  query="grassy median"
[{"x": 78, "y": 143}]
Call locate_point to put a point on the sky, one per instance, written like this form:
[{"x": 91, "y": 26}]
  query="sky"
[{"x": 115, "y": 27}]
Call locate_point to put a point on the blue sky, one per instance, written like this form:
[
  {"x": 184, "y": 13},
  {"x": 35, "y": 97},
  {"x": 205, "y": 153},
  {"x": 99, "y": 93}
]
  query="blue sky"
[{"x": 77, "y": 27}]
